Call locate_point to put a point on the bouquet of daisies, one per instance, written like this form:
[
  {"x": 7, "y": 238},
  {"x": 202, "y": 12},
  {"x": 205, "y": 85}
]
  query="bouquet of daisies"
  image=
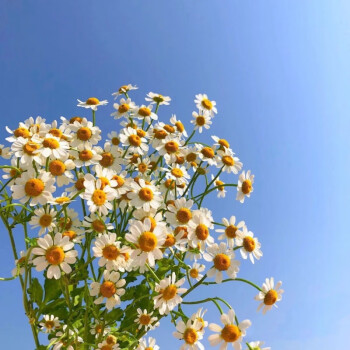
[{"x": 115, "y": 233}]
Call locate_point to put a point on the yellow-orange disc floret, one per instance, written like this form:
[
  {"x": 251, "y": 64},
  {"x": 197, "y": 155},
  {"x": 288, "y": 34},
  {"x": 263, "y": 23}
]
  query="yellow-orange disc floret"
[
  {"x": 107, "y": 159},
  {"x": 110, "y": 252},
  {"x": 246, "y": 186},
  {"x": 108, "y": 289},
  {"x": 169, "y": 292},
  {"x": 99, "y": 197},
  {"x": 230, "y": 333},
  {"x": 270, "y": 297},
  {"x": 84, "y": 133},
  {"x": 51, "y": 143},
  {"x": 57, "y": 167},
  {"x": 34, "y": 187},
  {"x": 190, "y": 336},
  {"x": 147, "y": 241},
  {"x": 146, "y": 194},
  {"x": 45, "y": 220},
  {"x": 248, "y": 244},
  {"x": 184, "y": 215},
  {"x": 54, "y": 255},
  {"x": 92, "y": 101},
  {"x": 222, "y": 262},
  {"x": 202, "y": 232}
]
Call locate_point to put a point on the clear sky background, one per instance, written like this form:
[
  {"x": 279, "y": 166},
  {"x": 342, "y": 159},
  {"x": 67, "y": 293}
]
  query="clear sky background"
[{"x": 279, "y": 71}]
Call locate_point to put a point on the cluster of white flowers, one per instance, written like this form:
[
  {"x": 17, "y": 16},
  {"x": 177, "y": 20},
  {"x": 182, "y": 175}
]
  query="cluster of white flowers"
[{"x": 140, "y": 206}]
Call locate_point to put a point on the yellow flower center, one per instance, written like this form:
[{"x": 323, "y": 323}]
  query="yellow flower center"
[
  {"x": 142, "y": 167},
  {"x": 191, "y": 157},
  {"x": 75, "y": 119},
  {"x": 202, "y": 232},
  {"x": 246, "y": 186},
  {"x": 99, "y": 197},
  {"x": 68, "y": 224},
  {"x": 123, "y": 108},
  {"x": 169, "y": 183},
  {"x": 158, "y": 99},
  {"x": 171, "y": 147},
  {"x": 61, "y": 200},
  {"x": 98, "y": 226},
  {"x": 30, "y": 148},
  {"x": 98, "y": 329},
  {"x": 145, "y": 319},
  {"x": 147, "y": 241},
  {"x": 144, "y": 112},
  {"x": 85, "y": 155},
  {"x": 169, "y": 128},
  {"x": 169, "y": 241},
  {"x": 180, "y": 127},
  {"x": 104, "y": 182},
  {"x": 108, "y": 289},
  {"x": 149, "y": 348},
  {"x": 107, "y": 159},
  {"x": 230, "y": 231},
  {"x": 111, "y": 340},
  {"x": 45, "y": 220},
  {"x": 230, "y": 333},
  {"x": 222, "y": 262},
  {"x": 208, "y": 152},
  {"x": 184, "y": 215},
  {"x": 160, "y": 134},
  {"x": 153, "y": 222},
  {"x": 70, "y": 233},
  {"x": 22, "y": 132},
  {"x": 190, "y": 336},
  {"x": 169, "y": 292},
  {"x": 270, "y": 297},
  {"x": 92, "y": 101},
  {"x": 220, "y": 183},
  {"x": 223, "y": 143},
  {"x": 248, "y": 244},
  {"x": 106, "y": 347},
  {"x": 181, "y": 228},
  {"x": 49, "y": 324},
  {"x": 57, "y": 167},
  {"x": 141, "y": 133},
  {"x": 207, "y": 104},
  {"x": 51, "y": 143},
  {"x": 115, "y": 141},
  {"x": 180, "y": 160},
  {"x": 228, "y": 160},
  {"x": 146, "y": 194},
  {"x": 119, "y": 180},
  {"x": 54, "y": 255},
  {"x": 177, "y": 172},
  {"x": 134, "y": 140},
  {"x": 56, "y": 132},
  {"x": 110, "y": 252},
  {"x": 200, "y": 120},
  {"x": 194, "y": 273},
  {"x": 123, "y": 89},
  {"x": 84, "y": 133},
  {"x": 79, "y": 185},
  {"x": 34, "y": 187}
]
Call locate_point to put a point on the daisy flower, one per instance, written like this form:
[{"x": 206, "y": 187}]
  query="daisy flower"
[
  {"x": 158, "y": 99},
  {"x": 190, "y": 333},
  {"x": 230, "y": 231},
  {"x": 147, "y": 345},
  {"x": 36, "y": 188},
  {"x": 113, "y": 138},
  {"x": 45, "y": 219},
  {"x": 195, "y": 271},
  {"x": 257, "y": 345},
  {"x": 199, "y": 228},
  {"x": 180, "y": 212},
  {"x": 5, "y": 152},
  {"x": 27, "y": 150},
  {"x": 49, "y": 323},
  {"x": 124, "y": 90},
  {"x": 96, "y": 329},
  {"x": 98, "y": 197},
  {"x": 191, "y": 157},
  {"x": 221, "y": 189},
  {"x": 145, "y": 319},
  {"x": 22, "y": 131},
  {"x": 111, "y": 157},
  {"x": 144, "y": 113},
  {"x": 69, "y": 220},
  {"x": 64, "y": 198},
  {"x": 92, "y": 103},
  {"x": 93, "y": 223},
  {"x": 145, "y": 196},
  {"x": 230, "y": 333},
  {"x": 75, "y": 234},
  {"x": 245, "y": 185},
  {"x": 54, "y": 147},
  {"x": 178, "y": 173},
  {"x": 168, "y": 296},
  {"x": 201, "y": 121},
  {"x": 152, "y": 215},
  {"x": 204, "y": 104},
  {"x": 87, "y": 156},
  {"x": 269, "y": 295},
  {"x": 61, "y": 170},
  {"x": 110, "y": 252},
  {"x": 169, "y": 148},
  {"x": 123, "y": 108},
  {"x": 228, "y": 161},
  {"x": 61, "y": 132},
  {"x": 221, "y": 143},
  {"x": 206, "y": 154},
  {"x": 105, "y": 175},
  {"x": 250, "y": 245},
  {"x": 66, "y": 338},
  {"x": 147, "y": 242},
  {"x": 85, "y": 134},
  {"x": 199, "y": 317},
  {"x": 178, "y": 124},
  {"x": 222, "y": 257},
  {"x": 135, "y": 143},
  {"x": 10, "y": 173},
  {"x": 57, "y": 253},
  {"x": 110, "y": 289},
  {"x": 20, "y": 263}
]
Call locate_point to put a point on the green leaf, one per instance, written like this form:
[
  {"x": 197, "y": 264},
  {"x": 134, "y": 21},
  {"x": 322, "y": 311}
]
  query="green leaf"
[
  {"x": 36, "y": 291},
  {"x": 114, "y": 315},
  {"x": 52, "y": 289}
]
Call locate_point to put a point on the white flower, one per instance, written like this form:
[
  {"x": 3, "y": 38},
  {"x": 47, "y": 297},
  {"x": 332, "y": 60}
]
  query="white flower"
[
  {"x": 49, "y": 323},
  {"x": 110, "y": 252},
  {"x": 148, "y": 243},
  {"x": 98, "y": 197},
  {"x": 180, "y": 213},
  {"x": 231, "y": 230},
  {"x": 96, "y": 329},
  {"x": 221, "y": 143},
  {"x": 5, "y": 152},
  {"x": 145, "y": 319},
  {"x": 36, "y": 188},
  {"x": 54, "y": 147},
  {"x": 178, "y": 173},
  {"x": 92, "y": 103},
  {"x": 228, "y": 161},
  {"x": 67, "y": 339},
  {"x": 85, "y": 134},
  {"x": 250, "y": 245},
  {"x": 204, "y": 104},
  {"x": 199, "y": 227},
  {"x": 201, "y": 121},
  {"x": 206, "y": 154},
  {"x": 151, "y": 344},
  {"x": 178, "y": 124},
  {"x": 257, "y": 345},
  {"x": 93, "y": 223},
  {"x": 269, "y": 295},
  {"x": 144, "y": 113},
  {"x": 110, "y": 289},
  {"x": 124, "y": 90},
  {"x": 199, "y": 316},
  {"x": 168, "y": 296},
  {"x": 191, "y": 334},
  {"x": 230, "y": 333},
  {"x": 157, "y": 98},
  {"x": 56, "y": 253},
  {"x": 61, "y": 170},
  {"x": 220, "y": 188},
  {"x": 195, "y": 271},
  {"x": 45, "y": 219},
  {"x": 245, "y": 185},
  {"x": 131, "y": 139},
  {"x": 20, "y": 264},
  {"x": 27, "y": 149},
  {"x": 223, "y": 259},
  {"x": 123, "y": 108},
  {"x": 86, "y": 156}
]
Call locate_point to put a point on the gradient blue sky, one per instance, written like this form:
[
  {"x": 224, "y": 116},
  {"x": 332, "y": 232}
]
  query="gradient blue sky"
[{"x": 279, "y": 71}]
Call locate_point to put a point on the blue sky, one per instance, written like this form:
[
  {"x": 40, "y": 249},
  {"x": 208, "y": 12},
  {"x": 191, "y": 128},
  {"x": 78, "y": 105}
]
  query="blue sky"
[{"x": 279, "y": 72}]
